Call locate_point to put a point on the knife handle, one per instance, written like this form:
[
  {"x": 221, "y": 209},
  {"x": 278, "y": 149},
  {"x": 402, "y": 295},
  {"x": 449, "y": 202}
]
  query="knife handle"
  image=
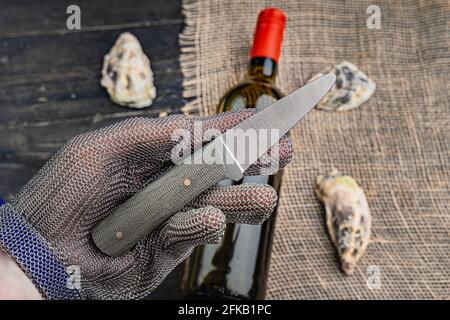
[{"x": 147, "y": 209}]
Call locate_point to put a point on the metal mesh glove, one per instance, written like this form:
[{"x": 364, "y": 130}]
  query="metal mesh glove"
[{"x": 46, "y": 228}]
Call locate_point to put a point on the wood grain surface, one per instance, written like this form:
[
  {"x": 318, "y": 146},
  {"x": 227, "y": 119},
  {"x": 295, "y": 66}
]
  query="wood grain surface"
[{"x": 50, "y": 79}]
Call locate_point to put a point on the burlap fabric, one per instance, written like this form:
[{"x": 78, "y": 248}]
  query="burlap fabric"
[{"x": 397, "y": 146}]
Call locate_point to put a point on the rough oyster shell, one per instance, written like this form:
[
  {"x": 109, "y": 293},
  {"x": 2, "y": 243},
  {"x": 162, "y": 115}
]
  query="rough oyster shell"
[
  {"x": 348, "y": 217},
  {"x": 126, "y": 73},
  {"x": 352, "y": 88}
]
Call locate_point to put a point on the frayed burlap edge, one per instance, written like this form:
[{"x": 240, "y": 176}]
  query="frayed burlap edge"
[{"x": 188, "y": 59}]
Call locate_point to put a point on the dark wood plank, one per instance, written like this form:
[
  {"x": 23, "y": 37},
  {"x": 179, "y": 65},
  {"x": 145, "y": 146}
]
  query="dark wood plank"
[
  {"x": 50, "y": 91},
  {"x": 22, "y": 17},
  {"x": 52, "y": 77}
]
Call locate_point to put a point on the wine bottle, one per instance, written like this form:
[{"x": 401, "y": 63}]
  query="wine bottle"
[{"x": 237, "y": 267}]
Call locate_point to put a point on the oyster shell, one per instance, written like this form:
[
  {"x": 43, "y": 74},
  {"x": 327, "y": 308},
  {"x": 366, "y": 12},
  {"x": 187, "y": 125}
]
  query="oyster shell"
[
  {"x": 352, "y": 88},
  {"x": 348, "y": 217},
  {"x": 126, "y": 73}
]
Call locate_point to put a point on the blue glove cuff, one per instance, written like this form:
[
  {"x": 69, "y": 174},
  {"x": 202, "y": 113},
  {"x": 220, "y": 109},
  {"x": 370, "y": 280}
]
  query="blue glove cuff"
[{"x": 35, "y": 258}]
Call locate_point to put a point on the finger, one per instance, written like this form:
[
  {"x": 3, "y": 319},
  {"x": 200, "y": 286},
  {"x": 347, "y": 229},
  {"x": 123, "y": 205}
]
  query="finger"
[
  {"x": 139, "y": 148},
  {"x": 225, "y": 120},
  {"x": 143, "y": 139},
  {"x": 193, "y": 228},
  {"x": 245, "y": 203},
  {"x": 135, "y": 141},
  {"x": 277, "y": 157}
]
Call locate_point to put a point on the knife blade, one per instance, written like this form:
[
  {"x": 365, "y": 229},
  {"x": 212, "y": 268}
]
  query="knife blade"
[{"x": 222, "y": 158}]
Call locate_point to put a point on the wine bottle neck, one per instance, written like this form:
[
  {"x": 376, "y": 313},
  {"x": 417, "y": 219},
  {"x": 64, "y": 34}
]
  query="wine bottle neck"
[{"x": 262, "y": 68}]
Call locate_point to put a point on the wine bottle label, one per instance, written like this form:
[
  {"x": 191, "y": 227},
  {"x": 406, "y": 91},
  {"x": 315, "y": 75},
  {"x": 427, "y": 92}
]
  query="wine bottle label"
[
  {"x": 238, "y": 103},
  {"x": 264, "y": 101}
]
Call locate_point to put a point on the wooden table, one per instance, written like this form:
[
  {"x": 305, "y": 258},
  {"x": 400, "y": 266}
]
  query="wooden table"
[{"x": 50, "y": 79}]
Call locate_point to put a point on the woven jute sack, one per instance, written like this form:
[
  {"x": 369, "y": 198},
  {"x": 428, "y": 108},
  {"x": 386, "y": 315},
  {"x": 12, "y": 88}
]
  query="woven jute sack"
[{"x": 396, "y": 146}]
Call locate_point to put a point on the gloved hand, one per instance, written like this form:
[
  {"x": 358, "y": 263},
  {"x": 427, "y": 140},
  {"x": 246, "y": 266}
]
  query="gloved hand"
[{"x": 46, "y": 228}]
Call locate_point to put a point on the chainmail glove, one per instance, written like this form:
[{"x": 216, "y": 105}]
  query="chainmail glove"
[{"x": 46, "y": 228}]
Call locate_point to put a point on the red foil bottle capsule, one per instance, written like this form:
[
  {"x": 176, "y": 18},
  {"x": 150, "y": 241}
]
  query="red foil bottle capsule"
[{"x": 269, "y": 34}]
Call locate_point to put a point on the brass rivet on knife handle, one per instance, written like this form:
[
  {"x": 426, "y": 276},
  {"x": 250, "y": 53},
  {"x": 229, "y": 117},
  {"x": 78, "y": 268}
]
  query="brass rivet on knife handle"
[{"x": 119, "y": 235}]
